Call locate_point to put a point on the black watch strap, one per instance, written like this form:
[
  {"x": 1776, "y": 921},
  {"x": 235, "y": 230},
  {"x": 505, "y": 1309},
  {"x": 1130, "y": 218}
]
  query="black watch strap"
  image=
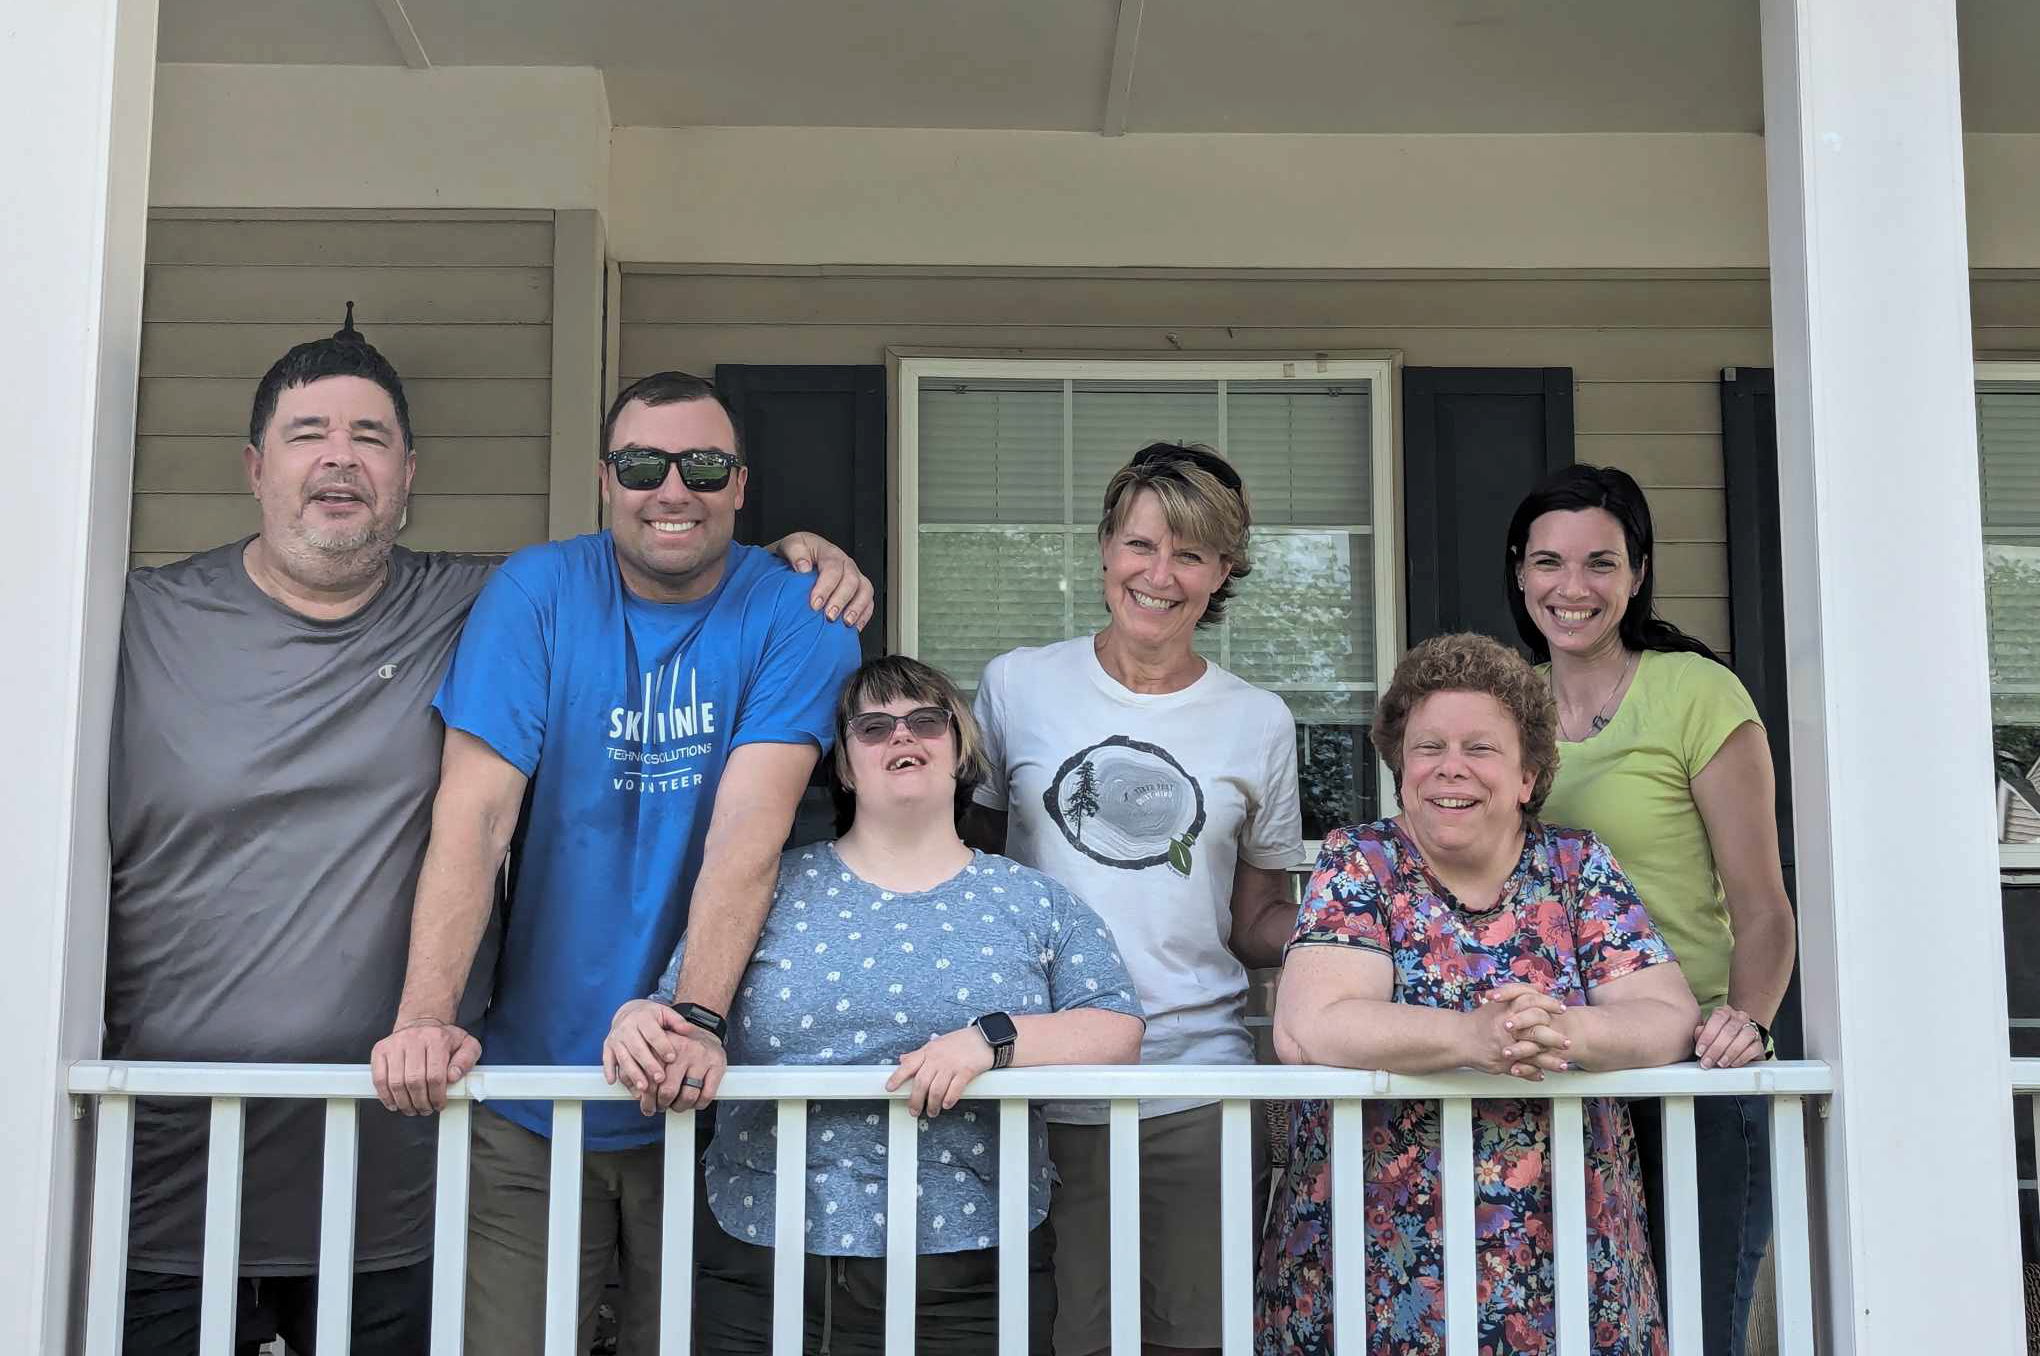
[{"x": 708, "y": 1019}]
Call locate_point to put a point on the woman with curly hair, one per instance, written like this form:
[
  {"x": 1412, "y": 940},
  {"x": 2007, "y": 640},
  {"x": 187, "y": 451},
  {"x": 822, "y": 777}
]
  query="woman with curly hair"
[{"x": 1464, "y": 933}]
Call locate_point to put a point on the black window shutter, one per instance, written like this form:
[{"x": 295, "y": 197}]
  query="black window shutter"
[
  {"x": 1756, "y": 608},
  {"x": 1475, "y": 441},
  {"x": 814, "y": 442}
]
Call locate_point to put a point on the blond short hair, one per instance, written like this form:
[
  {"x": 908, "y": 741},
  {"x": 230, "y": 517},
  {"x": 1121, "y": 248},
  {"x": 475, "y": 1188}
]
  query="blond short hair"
[
  {"x": 893, "y": 678},
  {"x": 1466, "y": 662},
  {"x": 1197, "y": 502}
]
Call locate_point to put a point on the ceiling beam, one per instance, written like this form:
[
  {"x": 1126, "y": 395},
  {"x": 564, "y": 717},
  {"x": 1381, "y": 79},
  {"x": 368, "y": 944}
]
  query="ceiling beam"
[
  {"x": 403, "y": 34},
  {"x": 1119, "y": 93}
]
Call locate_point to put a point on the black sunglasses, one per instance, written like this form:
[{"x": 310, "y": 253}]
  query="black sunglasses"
[
  {"x": 923, "y": 722},
  {"x": 645, "y": 468},
  {"x": 1171, "y": 457}
]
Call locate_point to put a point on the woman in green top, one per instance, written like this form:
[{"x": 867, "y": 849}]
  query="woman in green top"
[{"x": 1663, "y": 756}]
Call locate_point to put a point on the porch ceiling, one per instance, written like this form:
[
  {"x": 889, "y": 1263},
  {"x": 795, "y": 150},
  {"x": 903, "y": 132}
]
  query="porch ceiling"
[{"x": 1326, "y": 66}]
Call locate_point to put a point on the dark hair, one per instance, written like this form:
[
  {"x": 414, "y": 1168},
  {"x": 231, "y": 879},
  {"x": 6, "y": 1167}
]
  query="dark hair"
[
  {"x": 1467, "y": 662},
  {"x": 1203, "y": 500},
  {"x": 889, "y": 679},
  {"x": 1597, "y": 487},
  {"x": 668, "y": 388},
  {"x": 336, "y": 356}
]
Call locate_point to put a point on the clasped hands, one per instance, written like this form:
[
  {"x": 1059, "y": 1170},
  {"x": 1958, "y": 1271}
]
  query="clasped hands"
[{"x": 1524, "y": 1033}]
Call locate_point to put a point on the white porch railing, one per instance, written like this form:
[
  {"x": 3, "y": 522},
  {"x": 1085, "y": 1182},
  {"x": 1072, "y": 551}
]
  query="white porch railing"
[{"x": 115, "y": 1086}]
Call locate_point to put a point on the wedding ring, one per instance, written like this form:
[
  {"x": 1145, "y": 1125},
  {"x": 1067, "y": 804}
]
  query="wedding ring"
[{"x": 692, "y": 1083}]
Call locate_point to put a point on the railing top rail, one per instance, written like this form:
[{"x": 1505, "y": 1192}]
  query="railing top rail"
[
  {"x": 2026, "y": 1075},
  {"x": 1060, "y": 1082}
]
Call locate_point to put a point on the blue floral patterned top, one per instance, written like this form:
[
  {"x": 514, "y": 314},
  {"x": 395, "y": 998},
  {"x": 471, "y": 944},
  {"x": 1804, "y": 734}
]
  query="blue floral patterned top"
[{"x": 1567, "y": 921}]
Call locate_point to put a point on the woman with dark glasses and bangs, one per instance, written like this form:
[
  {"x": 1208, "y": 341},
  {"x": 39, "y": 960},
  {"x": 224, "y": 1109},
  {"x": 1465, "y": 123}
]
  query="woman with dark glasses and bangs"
[{"x": 895, "y": 944}]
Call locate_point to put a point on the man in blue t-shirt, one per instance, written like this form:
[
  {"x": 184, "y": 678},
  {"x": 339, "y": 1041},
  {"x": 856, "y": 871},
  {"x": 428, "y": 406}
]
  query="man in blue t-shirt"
[{"x": 657, "y": 697}]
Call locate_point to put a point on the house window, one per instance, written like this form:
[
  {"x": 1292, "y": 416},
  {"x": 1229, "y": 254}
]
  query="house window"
[
  {"x": 1003, "y": 468},
  {"x": 2008, "y": 444}
]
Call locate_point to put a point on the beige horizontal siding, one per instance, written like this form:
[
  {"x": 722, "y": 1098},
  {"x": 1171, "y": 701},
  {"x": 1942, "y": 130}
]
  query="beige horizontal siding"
[
  {"x": 1597, "y": 354},
  {"x": 240, "y": 349},
  {"x": 271, "y": 292},
  {"x": 461, "y": 303},
  {"x": 401, "y": 244}
]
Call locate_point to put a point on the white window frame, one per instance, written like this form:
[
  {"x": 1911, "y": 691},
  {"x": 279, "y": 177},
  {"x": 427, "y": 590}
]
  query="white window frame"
[
  {"x": 2021, "y": 860},
  {"x": 1385, "y": 446}
]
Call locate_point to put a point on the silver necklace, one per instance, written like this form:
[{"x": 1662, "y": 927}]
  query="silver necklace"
[{"x": 1602, "y": 716}]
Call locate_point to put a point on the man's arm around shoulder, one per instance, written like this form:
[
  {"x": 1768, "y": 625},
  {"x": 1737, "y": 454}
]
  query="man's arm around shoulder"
[{"x": 473, "y": 817}]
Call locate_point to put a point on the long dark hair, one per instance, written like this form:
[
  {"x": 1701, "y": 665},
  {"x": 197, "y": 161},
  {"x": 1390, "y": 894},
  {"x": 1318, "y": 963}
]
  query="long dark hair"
[{"x": 1597, "y": 487}]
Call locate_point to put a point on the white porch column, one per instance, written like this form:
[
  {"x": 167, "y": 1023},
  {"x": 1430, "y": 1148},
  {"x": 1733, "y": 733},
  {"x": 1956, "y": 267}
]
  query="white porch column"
[
  {"x": 1890, "y": 689},
  {"x": 76, "y": 83}
]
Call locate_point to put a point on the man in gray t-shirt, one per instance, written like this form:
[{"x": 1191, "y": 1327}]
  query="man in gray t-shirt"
[{"x": 275, "y": 756}]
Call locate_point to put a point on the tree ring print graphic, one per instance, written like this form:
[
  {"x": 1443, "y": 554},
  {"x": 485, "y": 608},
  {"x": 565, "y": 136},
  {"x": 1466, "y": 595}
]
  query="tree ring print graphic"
[{"x": 1127, "y": 804}]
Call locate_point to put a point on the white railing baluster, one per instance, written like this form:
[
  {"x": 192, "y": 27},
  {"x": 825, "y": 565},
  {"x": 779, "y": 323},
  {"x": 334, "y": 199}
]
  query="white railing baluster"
[
  {"x": 449, "y": 1230},
  {"x": 1791, "y": 1248},
  {"x": 1569, "y": 1223},
  {"x": 902, "y": 1223},
  {"x": 220, "y": 1269},
  {"x": 1235, "y": 1226},
  {"x": 112, "y": 1188},
  {"x": 1015, "y": 1209},
  {"x": 1349, "y": 1227},
  {"x": 563, "y": 1234},
  {"x": 676, "y": 1239},
  {"x": 1455, "y": 1172},
  {"x": 336, "y": 1228},
  {"x": 1681, "y": 1196},
  {"x": 789, "y": 1228},
  {"x": 1122, "y": 1146}
]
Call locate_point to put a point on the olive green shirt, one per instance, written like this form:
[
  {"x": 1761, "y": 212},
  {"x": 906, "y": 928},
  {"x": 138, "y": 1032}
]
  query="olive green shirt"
[{"x": 1632, "y": 784}]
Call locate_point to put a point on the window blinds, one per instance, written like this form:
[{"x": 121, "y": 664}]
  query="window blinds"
[
  {"x": 2008, "y": 443},
  {"x": 1012, "y": 477}
]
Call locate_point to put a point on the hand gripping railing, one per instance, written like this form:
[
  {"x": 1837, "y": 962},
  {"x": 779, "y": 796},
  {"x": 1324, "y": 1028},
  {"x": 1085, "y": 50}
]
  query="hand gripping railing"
[{"x": 227, "y": 1086}]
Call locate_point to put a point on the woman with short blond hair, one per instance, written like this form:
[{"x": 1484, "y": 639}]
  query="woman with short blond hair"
[{"x": 1163, "y": 790}]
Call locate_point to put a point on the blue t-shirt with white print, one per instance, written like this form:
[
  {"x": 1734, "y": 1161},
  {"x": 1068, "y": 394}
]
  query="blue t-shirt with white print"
[
  {"x": 847, "y": 972},
  {"x": 623, "y": 714}
]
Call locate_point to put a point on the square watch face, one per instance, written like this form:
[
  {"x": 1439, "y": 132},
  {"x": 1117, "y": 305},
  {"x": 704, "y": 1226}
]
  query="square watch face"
[{"x": 998, "y": 1028}]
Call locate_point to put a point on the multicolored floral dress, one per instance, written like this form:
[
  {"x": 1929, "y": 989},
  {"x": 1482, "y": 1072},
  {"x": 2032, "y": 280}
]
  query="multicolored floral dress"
[{"x": 1567, "y": 921}]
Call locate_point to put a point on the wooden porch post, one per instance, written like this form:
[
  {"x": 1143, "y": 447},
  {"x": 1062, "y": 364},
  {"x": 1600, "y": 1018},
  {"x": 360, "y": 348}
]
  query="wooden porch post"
[
  {"x": 77, "y": 81},
  {"x": 1902, "y": 950}
]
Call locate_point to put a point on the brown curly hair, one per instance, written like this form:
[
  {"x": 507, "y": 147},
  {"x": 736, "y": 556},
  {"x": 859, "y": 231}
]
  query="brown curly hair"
[{"x": 1466, "y": 662}]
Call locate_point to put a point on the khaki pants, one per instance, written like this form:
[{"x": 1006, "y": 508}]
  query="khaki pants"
[
  {"x": 622, "y": 1194},
  {"x": 1180, "y": 1301}
]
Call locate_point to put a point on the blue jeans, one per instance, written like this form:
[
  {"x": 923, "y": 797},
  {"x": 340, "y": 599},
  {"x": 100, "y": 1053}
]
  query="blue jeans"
[{"x": 1733, "y": 1150}]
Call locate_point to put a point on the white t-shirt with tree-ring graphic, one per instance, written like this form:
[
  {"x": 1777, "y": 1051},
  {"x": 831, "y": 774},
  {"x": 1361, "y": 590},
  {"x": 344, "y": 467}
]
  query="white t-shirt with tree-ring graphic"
[{"x": 1144, "y": 805}]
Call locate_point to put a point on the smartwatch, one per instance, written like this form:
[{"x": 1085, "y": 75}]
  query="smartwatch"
[
  {"x": 708, "y": 1019},
  {"x": 999, "y": 1033}
]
